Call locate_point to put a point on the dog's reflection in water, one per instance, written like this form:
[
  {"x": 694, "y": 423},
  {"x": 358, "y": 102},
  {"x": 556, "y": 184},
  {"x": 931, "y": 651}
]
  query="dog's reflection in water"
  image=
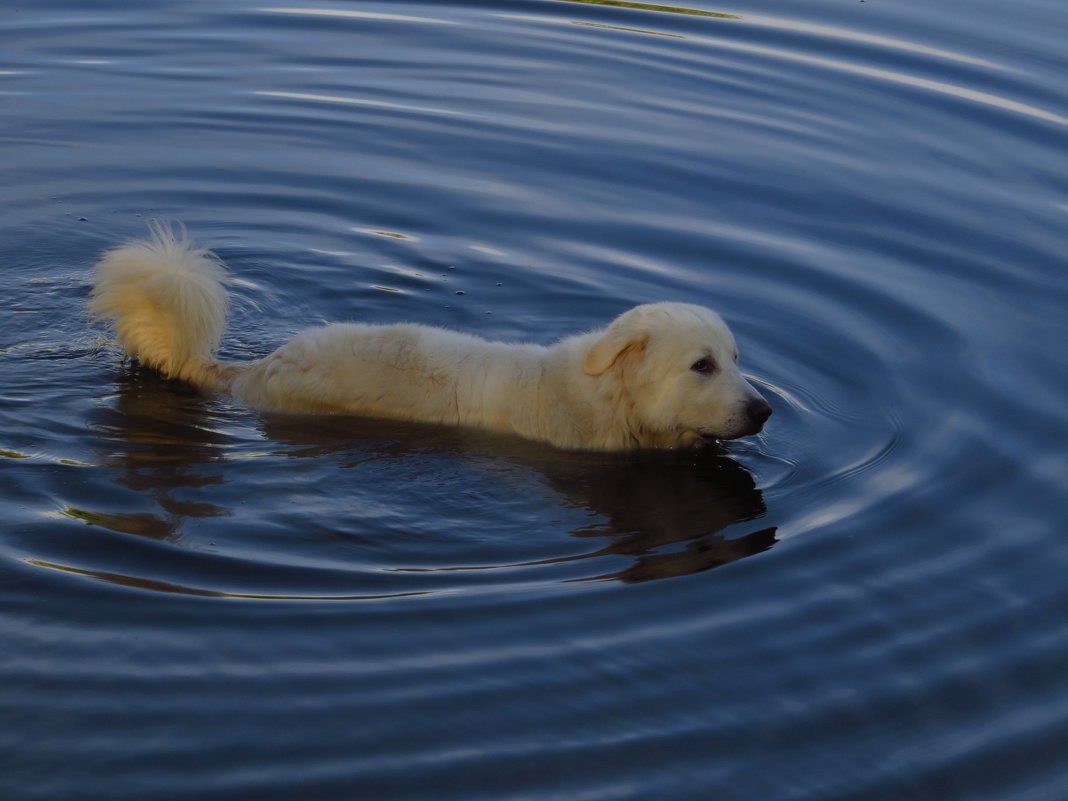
[
  {"x": 650, "y": 505},
  {"x": 157, "y": 437},
  {"x": 666, "y": 512}
]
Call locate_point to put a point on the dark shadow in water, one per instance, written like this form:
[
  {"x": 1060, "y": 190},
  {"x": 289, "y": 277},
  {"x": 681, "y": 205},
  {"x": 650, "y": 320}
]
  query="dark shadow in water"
[
  {"x": 653, "y": 503},
  {"x": 155, "y": 435},
  {"x": 664, "y": 511}
]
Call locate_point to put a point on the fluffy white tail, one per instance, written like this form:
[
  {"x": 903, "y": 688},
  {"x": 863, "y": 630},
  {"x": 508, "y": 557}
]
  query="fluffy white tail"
[{"x": 166, "y": 299}]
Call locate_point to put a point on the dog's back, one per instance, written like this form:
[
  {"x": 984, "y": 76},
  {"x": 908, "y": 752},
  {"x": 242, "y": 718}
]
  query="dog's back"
[{"x": 400, "y": 371}]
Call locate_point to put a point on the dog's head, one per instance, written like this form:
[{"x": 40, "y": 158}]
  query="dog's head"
[{"x": 674, "y": 367}]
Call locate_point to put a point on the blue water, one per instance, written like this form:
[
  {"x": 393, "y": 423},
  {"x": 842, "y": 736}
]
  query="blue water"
[{"x": 868, "y": 601}]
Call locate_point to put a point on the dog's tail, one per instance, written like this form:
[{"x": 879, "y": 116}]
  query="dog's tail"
[{"x": 168, "y": 304}]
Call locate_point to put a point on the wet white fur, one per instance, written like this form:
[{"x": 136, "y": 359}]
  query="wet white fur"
[{"x": 629, "y": 385}]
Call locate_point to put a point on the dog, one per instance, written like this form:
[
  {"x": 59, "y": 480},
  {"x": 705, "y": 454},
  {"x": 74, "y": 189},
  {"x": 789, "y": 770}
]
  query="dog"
[{"x": 662, "y": 375}]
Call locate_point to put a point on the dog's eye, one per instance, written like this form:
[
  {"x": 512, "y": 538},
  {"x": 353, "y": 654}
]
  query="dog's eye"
[{"x": 704, "y": 366}]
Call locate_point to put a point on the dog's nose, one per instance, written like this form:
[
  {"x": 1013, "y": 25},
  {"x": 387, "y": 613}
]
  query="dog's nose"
[{"x": 759, "y": 410}]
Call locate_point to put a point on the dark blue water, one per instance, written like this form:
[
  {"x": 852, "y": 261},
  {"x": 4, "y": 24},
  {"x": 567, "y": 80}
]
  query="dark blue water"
[{"x": 868, "y": 601}]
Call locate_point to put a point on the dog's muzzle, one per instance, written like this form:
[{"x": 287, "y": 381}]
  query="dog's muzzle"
[{"x": 758, "y": 411}]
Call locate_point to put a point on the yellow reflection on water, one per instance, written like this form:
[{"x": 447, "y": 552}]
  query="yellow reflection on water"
[
  {"x": 140, "y": 524},
  {"x": 961, "y": 92},
  {"x": 7, "y": 453},
  {"x": 389, "y": 234},
  {"x": 694, "y": 12},
  {"x": 790, "y": 25},
  {"x": 156, "y": 585}
]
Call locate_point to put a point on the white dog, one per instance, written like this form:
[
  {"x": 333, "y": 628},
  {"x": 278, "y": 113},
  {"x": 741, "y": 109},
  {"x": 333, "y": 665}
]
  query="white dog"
[{"x": 662, "y": 375}]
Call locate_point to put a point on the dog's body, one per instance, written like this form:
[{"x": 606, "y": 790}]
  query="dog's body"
[{"x": 662, "y": 375}]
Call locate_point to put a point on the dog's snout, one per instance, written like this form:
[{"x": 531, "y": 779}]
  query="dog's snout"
[{"x": 759, "y": 410}]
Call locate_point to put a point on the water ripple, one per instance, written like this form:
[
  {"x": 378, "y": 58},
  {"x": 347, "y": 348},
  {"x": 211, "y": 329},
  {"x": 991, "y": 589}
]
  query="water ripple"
[{"x": 871, "y": 194}]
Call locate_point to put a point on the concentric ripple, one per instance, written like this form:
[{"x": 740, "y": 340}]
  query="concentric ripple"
[{"x": 864, "y": 602}]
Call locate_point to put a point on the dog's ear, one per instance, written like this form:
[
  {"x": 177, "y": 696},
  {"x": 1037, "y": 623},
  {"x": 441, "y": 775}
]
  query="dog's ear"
[{"x": 624, "y": 338}]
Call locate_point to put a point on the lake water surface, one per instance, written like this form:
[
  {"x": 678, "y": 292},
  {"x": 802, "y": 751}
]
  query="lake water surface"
[{"x": 867, "y": 601}]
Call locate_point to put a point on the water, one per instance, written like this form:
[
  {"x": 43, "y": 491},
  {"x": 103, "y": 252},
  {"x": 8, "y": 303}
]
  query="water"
[{"x": 866, "y": 602}]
